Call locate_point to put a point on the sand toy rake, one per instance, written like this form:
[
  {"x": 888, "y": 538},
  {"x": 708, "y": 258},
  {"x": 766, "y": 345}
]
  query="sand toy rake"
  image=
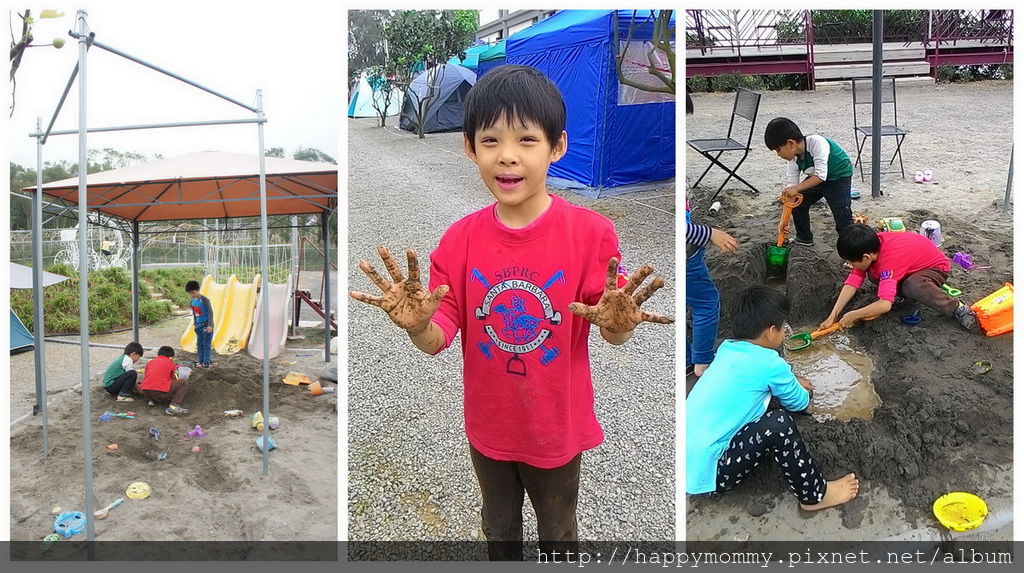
[{"x": 778, "y": 255}]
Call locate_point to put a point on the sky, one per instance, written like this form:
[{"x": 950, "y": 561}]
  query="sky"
[{"x": 294, "y": 54}]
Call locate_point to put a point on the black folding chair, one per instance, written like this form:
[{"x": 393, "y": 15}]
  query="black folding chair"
[
  {"x": 744, "y": 108},
  {"x": 862, "y": 96}
]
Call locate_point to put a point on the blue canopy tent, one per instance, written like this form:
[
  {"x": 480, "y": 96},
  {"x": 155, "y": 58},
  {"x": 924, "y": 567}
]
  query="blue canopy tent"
[
  {"x": 490, "y": 59},
  {"x": 610, "y": 144},
  {"x": 472, "y": 59},
  {"x": 21, "y": 338}
]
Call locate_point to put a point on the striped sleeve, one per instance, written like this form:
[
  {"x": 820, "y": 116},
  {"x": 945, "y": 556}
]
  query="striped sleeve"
[{"x": 698, "y": 235}]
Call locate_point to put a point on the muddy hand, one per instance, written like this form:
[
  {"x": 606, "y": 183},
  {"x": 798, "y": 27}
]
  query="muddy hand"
[
  {"x": 406, "y": 301},
  {"x": 619, "y": 309}
]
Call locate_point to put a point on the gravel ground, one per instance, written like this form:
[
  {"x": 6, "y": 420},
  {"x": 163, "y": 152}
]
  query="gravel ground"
[{"x": 410, "y": 476}]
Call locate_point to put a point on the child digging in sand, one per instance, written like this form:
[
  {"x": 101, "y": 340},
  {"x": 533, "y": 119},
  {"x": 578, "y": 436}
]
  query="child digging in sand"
[
  {"x": 522, "y": 279},
  {"x": 905, "y": 264},
  {"x": 729, "y": 428}
]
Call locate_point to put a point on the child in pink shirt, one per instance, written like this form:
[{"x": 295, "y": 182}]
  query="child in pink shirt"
[
  {"x": 904, "y": 263},
  {"x": 522, "y": 279}
]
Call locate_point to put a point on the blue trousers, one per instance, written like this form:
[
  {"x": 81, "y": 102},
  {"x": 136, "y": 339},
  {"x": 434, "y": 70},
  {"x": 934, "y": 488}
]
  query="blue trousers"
[
  {"x": 703, "y": 302},
  {"x": 203, "y": 341}
]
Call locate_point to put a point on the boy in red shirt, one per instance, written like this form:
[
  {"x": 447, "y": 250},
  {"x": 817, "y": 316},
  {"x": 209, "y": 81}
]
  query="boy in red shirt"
[
  {"x": 521, "y": 279},
  {"x": 904, "y": 263},
  {"x": 161, "y": 383}
]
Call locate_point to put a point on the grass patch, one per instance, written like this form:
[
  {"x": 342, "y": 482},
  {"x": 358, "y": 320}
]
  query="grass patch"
[
  {"x": 110, "y": 302},
  {"x": 171, "y": 282}
]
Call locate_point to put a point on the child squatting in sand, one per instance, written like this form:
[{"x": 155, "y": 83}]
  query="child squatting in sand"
[
  {"x": 730, "y": 429},
  {"x": 529, "y": 272}
]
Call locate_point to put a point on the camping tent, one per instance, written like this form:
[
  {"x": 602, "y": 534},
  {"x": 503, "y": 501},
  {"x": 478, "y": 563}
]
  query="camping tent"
[
  {"x": 472, "y": 59},
  {"x": 444, "y": 112},
  {"x": 610, "y": 143},
  {"x": 361, "y": 104},
  {"x": 21, "y": 278},
  {"x": 492, "y": 58},
  {"x": 21, "y": 338}
]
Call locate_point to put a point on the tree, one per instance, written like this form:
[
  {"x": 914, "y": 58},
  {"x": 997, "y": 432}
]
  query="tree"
[
  {"x": 659, "y": 53},
  {"x": 381, "y": 84},
  {"x": 19, "y": 46},
  {"x": 274, "y": 152},
  {"x": 430, "y": 38},
  {"x": 365, "y": 40},
  {"x": 312, "y": 154}
]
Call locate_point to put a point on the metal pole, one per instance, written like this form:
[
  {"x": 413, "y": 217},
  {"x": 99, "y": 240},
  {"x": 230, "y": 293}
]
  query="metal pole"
[
  {"x": 83, "y": 281},
  {"x": 295, "y": 267},
  {"x": 136, "y": 266},
  {"x": 37, "y": 293},
  {"x": 326, "y": 294},
  {"x": 876, "y": 104},
  {"x": 172, "y": 74},
  {"x": 152, "y": 126},
  {"x": 265, "y": 307},
  {"x": 1010, "y": 184}
]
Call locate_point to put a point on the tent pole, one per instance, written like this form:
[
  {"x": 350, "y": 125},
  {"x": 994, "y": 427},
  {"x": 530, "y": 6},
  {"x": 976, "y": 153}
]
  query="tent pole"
[
  {"x": 136, "y": 265},
  {"x": 265, "y": 286},
  {"x": 1009, "y": 188},
  {"x": 876, "y": 103},
  {"x": 83, "y": 280},
  {"x": 326, "y": 294},
  {"x": 37, "y": 292}
]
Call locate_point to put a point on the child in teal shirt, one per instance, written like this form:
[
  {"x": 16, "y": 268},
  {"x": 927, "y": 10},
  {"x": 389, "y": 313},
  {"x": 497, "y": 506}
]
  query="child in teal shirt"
[{"x": 729, "y": 428}]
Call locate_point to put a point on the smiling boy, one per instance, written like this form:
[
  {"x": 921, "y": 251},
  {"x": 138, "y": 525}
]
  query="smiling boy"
[{"x": 522, "y": 279}]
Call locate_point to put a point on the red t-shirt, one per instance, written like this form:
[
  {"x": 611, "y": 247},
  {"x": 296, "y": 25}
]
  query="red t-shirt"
[
  {"x": 159, "y": 374},
  {"x": 899, "y": 255},
  {"x": 528, "y": 395}
]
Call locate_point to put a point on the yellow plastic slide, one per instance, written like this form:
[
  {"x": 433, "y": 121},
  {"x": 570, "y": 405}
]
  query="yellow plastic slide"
[
  {"x": 235, "y": 321},
  {"x": 218, "y": 295}
]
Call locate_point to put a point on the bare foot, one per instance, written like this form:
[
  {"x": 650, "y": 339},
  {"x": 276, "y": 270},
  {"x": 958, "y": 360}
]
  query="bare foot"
[
  {"x": 837, "y": 492},
  {"x": 698, "y": 369}
]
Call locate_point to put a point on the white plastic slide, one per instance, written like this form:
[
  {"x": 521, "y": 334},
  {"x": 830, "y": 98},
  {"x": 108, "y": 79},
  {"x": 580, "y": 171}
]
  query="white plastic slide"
[{"x": 279, "y": 297}]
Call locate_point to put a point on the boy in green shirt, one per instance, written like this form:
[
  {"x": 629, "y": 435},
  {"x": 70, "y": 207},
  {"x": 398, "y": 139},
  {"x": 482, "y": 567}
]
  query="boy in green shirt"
[
  {"x": 119, "y": 379},
  {"x": 828, "y": 169}
]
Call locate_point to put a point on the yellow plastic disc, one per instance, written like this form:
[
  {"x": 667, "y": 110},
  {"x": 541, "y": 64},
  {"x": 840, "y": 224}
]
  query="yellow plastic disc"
[
  {"x": 138, "y": 490},
  {"x": 960, "y": 510}
]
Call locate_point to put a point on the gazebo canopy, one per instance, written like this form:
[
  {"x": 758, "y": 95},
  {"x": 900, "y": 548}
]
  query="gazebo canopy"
[{"x": 209, "y": 184}]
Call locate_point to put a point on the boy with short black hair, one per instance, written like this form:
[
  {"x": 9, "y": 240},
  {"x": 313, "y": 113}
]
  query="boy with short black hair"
[
  {"x": 729, "y": 428},
  {"x": 905, "y": 264},
  {"x": 828, "y": 169},
  {"x": 119, "y": 378},
  {"x": 520, "y": 279},
  {"x": 202, "y": 321},
  {"x": 161, "y": 382}
]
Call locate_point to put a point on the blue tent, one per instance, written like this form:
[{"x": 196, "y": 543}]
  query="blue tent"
[
  {"x": 21, "y": 338},
  {"x": 609, "y": 144},
  {"x": 472, "y": 57},
  {"x": 492, "y": 58}
]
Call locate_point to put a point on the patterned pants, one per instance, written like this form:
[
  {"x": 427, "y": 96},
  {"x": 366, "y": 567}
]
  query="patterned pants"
[{"x": 774, "y": 434}]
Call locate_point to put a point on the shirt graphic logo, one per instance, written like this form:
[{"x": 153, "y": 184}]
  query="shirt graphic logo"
[
  {"x": 885, "y": 275},
  {"x": 524, "y": 308}
]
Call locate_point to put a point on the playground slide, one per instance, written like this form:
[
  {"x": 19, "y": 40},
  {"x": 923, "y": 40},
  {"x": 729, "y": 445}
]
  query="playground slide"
[
  {"x": 218, "y": 295},
  {"x": 279, "y": 294},
  {"x": 235, "y": 321}
]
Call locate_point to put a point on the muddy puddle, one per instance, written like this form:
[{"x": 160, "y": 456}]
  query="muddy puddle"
[{"x": 841, "y": 378}]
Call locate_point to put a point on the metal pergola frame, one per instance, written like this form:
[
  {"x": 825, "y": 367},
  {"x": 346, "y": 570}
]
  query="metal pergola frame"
[{"x": 86, "y": 39}]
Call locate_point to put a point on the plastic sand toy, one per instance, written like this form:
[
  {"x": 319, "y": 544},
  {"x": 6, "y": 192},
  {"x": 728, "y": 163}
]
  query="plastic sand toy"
[{"x": 960, "y": 511}]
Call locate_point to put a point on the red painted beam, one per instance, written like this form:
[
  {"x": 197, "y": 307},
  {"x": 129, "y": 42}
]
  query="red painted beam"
[
  {"x": 746, "y": 68},
  {"x": 972, "y": 58}
]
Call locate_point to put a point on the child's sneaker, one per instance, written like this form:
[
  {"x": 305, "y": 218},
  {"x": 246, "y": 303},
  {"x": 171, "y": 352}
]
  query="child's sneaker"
[
  {"x": 965, "y": 316},
  {"x": 804, "y": 243},
  {"x": 152, "y": 403},
  {"x": 176, "y": 410},
  {"x": 125, "y": 399}
]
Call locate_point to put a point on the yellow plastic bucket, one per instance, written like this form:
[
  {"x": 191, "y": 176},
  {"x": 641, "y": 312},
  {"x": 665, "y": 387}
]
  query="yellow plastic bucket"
[{"x": 960, "y": 511}]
